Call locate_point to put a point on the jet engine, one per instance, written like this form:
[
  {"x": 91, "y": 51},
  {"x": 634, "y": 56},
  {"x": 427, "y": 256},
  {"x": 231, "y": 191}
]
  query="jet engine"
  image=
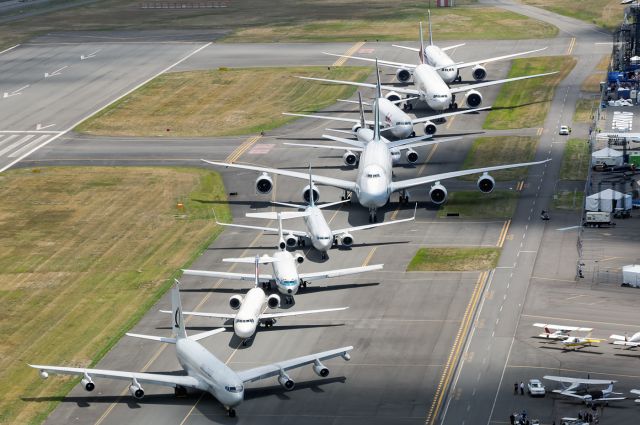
[
  {"x": 291, "y": 240},
  {"x": 412, "y": 156},
  {"x": 473, "y": 99},
  {"x": 136, "y": 390},
  {"x": 479, "y": 72},
  {"x": 350, "y": 158},
  {"x": 306, "y": 193},
  {"x": 393, "y": 96},
  {"x": 273, "y": 301},
  {"x": 356, "y": 127},
  {"x": 299, "y": 259},
  {"x": 403, "y": 75},
  {"x": 346, "y": 239},
  {"x": 264, "y": 184},
  {"x": 395, "y": 155},
  {"x": 44, "y": 374},
  {"x": 486, "y": 183},
  {"x": 438, "y": 193},
  {"x": 235, "y": 302},
  {"x": 87, "y": 383},
  {"x": 430, "y": 128},
  {"x": 286, "y": 382},
  {"x": 320, "y": 369}
]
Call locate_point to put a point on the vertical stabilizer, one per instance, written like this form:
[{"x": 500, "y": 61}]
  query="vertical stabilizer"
[
  {"x": 378, "y": 89},
  {"x": 430, "y": 33},
  {"x": 363, "y": 122},
  {"x": 282, "y": 244},
  {"x": 421, "y": 53},
  {"x": 176, "y": 310},
  {"x": 376, "y": 121},
  {"x": 312, "y": 200},
  {"x": 257, "y": 262}
]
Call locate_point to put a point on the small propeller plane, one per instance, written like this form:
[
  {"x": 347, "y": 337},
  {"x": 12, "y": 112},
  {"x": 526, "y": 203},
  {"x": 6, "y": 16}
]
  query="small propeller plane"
[
  {"x": 631, "y": 342},
  {"x": 558, "y": 332},
  {"x": 579, "y": 388},
  {"x": 576, "y": 342}
]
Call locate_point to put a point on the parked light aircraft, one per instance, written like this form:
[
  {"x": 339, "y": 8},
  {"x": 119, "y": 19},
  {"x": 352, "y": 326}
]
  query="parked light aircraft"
[
  {"x": 579, "y": 342},
  {"x": 374, "y": 181},
  {"x": 429, "y": 86},
  {"x": 251, "y": 308},
  {"x": 447, "y": 68},
  {"x": 558, "y": 332},
  {"x": 631, "y": 342},
  {"x": 285, "y": 271},
  {"x": 204, "y": 371},
  {"x": 579, "y": 388},
  {"x": 636, "y": 392}
]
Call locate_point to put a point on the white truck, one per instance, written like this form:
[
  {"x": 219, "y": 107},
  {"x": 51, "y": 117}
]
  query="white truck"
[{"x": 598, "y": 219}]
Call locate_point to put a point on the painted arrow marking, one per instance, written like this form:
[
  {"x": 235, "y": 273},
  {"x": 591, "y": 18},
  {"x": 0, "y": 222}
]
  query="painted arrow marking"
[
  {"x": 56, "y": 72},
  {"x": 42, "y": 127},
  {"x": 90, "y": 55},
  {"x": 15, "y": 92},
  {"x": 562, "y": 229}
]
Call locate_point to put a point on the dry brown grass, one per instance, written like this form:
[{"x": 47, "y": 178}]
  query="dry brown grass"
[{"x": 86, "y": 251}]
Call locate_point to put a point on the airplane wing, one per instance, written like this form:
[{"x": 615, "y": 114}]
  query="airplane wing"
[
  {"x": 413, "y": 49},
  {"x": 147, "y": 378},
  {"x": 266, "y": 229},
  {"x": 569, "y": 380},
  {"x": 202, "y": 314},
  {"x": 354, "y": 143},
  {"x": 297, "y": 313},
  {"x": 497, "y": 58},
  {"x": 322, "y": 180},
  {"x": 553, "y": 336},
  {"x": 368, "y": 85},
  {"x": 342, "y": 148},
  {"x": 455, "y": 46},
  {"x": 405, "y": 184},
  {"x": 569, "y": 394},
  {"x": 627, "y": 343},
  {"x": 326, "y": 117},
  {"x": 337, "y": 273},
  {"x": 415, "y": 142},
  {"x": 227, "y": 275},
  {"x": 635, "y": 392},
  {"x": 610, "y": 399},
  {"x": 448, "y": 114},
  {"x": 562, "y": 327},
  {"x": 263, "y": 372},
  {"x": 456, "y": 89},
  {"x": 380, "y": 62}
]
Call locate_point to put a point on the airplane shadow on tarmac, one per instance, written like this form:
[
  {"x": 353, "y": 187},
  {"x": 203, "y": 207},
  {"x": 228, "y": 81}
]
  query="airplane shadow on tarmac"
[
  {"x": 308, "y": 290},
  {"x": 237, "y": 343},
  {"x": 570, "y": 350}
]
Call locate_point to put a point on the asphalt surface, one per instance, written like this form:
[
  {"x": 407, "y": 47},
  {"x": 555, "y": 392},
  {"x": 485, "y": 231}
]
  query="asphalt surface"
[{"x": 435, "y": 347}]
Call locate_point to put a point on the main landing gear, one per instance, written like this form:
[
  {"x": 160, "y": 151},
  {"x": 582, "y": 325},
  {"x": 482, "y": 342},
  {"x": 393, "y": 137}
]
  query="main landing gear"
[
  {"x": 404, "y": 197},
  {"x": 323, "y": 256},
  {"x": 269, "y": 323}
]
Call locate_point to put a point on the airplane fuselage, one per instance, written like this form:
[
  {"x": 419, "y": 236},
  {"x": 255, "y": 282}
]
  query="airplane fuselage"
[
  {"x": 247, "y": 318},
  {"x": 318, "y": 229},
  {"x": 445, "y": 66},
  {"x": 374, "y": 175},
  {"x": 214, "y": 376},
  {"x": 392, "y": 116},
  {"x": 285, "y": 273},
  {"x": 433, "y": 90}
]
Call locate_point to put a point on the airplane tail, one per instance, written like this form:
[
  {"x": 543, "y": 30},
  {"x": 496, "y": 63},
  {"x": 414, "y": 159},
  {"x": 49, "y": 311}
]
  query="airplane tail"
[
  {"x": 282, "y": 244},
  {"x": 378, "y": 89},
  {"x": 363, "y": 122},
  {"x": 312, "y": 201},
  {"x": 176, "y": 312},
  {"x": 430, "y": 33},
  {"x": 421, "y": 53},
  {"x": 376, "y": 108}
]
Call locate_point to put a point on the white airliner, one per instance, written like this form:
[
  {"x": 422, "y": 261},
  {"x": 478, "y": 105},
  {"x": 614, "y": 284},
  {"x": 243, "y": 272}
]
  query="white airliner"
[
  {"x": 374, "y": 181},
  {"x": 631, "y": 342},
  {"x": 285, "y": 270},
  {"x": 558, "y": 332},
  {"x": 251, "y": 308},
  {"x": 204, "y": 371},
  {"x": 429, "y": 85},
  {"x": 448, "y": 69},
  {"x": 579, "y": 388}
]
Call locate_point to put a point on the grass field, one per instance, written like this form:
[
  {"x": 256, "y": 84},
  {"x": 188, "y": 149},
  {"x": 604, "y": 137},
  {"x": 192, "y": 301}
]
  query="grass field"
[
  {"x": 454, "y": 259},
  {"x": 216, "y": 103},
  {"x": 604, "y": 13},
  {"x": 568, "y": 200},
  {"x": 86, "y": 252},
  {"x": 525, "y": 103},
  {"x": 281, "y": 20},
  {"x": 475, "y": 204},
  {"x": 585, "y": 109},
  {"x": 489, "y": 151},
  {"x": 575, "y": 160}
]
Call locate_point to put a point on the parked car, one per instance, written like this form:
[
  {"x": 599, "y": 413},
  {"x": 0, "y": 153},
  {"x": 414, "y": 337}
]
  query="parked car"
[
  {"x": 564, "y": 130},
  {"x": 536, "y": 388}
]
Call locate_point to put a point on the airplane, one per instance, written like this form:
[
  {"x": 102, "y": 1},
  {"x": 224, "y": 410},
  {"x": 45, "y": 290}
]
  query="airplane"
[
  {"x": 285, "y": 272},
  {"x": 632, "y": 342},
  {"x": 374, "y": 181},
  {"x": 579, "y": 342},
  {"x": 429, "y": 86},
  {"x": 579, "y": 388},
  {"x": 636, "y": 392},
  {"x": 558, "y": 332},
  {"x": 204, "y": 371},
  {"x": 447, "y": 68},
  {"x": 250, "y": 309}
]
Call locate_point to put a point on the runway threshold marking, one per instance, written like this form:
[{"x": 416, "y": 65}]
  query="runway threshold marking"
[
  {"x": 245, "y": 146},
  {"x": 539, "y": 132},
  {"x": 349, "y": 52},
  {"x": 456, "y": 349},
  {"x": 572, "y": 44}
]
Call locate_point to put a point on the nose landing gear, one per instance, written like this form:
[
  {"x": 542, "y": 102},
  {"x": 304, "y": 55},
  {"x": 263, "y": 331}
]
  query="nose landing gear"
[{"x": 373, "y": 216}]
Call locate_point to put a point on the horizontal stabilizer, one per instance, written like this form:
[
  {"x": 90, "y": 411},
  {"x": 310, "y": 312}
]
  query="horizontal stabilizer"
[
  {"x": 264, "y": 259},
  {"x": 273, "y": 215},
  {"x": 153, "y": 338}
]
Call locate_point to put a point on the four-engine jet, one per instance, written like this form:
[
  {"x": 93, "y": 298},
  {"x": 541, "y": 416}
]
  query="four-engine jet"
[{"x": 204, "y": 371}]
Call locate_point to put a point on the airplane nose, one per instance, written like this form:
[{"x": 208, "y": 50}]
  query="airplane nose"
[
  {"x": 289, "y": 291},
  {"x": 244, "y": 330}
]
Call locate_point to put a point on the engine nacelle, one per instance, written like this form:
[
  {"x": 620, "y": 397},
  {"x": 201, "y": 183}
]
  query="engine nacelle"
[
  {"x": 136, "y": 390},
  {"x": 286, "y": 382},
  {"x": 393, "y": 96},
  {"x": 403, "y": 75},
  {"x": 87, "y": 383},
  {"x": 273, "y": 301},
  {"x": 264, "y": 184},
  {"x": 486, "y": 183},
  {"x": 299, "y": 258},
  {"x": 395, "y": 155},
  {"x": 438, "y": 194},
  {"x": 479, "y": 72},
  {"x": 412, "y": 156},
  {"x": 430, "y": 128},
  {"x": 346, "y": 239},
  {"x": 44, "y": 374},
  {"x": 291, "y": 240},
  {"x": 473, "y": 99},
  {"x": 320, "y": 369},
  {"x": 306, "y": 193},
  {"x": 235, "y": 302},
  {"x": 350, "y": 158},
  {"x": 356, "y": 127}
]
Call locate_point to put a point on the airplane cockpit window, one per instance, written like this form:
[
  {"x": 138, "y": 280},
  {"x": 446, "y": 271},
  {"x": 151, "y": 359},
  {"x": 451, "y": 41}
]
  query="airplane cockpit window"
[
  {"x": 372, "y": 176},
  {"x": 237, "y": 389}
]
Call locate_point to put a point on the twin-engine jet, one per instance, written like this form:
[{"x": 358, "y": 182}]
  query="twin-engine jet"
[
  {"x": 204, "y": 371},
  {"x": 250, "y": 309},
  {"x": 285, "y": 270},
  {"x": 579, "y": 388}
]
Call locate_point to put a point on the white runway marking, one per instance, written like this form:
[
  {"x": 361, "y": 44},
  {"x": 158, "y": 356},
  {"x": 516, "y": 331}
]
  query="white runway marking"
[
  {"x": 28, "y": 146},
  {"x": 562, "y": 229},
  {"x": 42, "y": 127},
  {"x": 10, "y": 48},
  {"x": 15, "y": 92},
  {"x": 16, "y": 144},
  {"x": 56, "y": 72}
]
